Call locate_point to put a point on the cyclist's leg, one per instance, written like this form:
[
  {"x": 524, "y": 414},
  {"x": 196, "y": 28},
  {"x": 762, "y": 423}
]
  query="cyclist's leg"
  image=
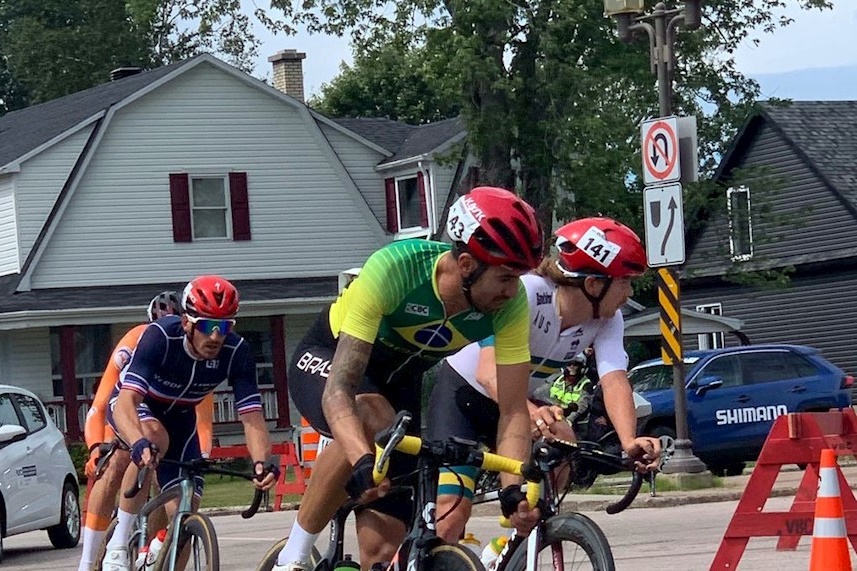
[
  {"x": 380, "y": 534},
  {"x": 184, "y": 447},
  {"x": 100, "y": 504},
  {"x": 130, "y": 507},
  {"x": 457, "y": 409}
]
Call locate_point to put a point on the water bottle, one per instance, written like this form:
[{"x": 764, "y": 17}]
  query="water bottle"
[
  {"x": 140, "y": 563},
  {"x": 154, "y": 548},
  {"x": 471, "y": 543},
  {"x": 346, "y": 564},
  {"x": 492, "y": 551}
]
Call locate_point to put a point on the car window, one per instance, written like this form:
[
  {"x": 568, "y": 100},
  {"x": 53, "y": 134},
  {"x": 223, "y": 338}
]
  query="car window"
[
  {"x": 8, "y": 415},
  {"x": 764, "y": 367},
  {"x": 800, "y": 366},
  {"x": 32, "y": 411},
  {"x": 651, "y": 378},
  {"x": 726, "y": 367}
]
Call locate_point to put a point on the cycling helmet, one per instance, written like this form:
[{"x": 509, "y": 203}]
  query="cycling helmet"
[
  {"x": 497, "y": 228},
  {"x": 600, "y": 247},
  {"x": 163, "y": 304},
  {"x": 210, "y": 296}
]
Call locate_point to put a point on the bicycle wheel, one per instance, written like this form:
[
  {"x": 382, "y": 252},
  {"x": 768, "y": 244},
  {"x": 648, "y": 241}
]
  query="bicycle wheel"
[
  {"x": 452, "y": 558},
  {"x": 197, "y": 542},
  {"x": 570, "y": 542},
  {"x": 270, "y": 558}
]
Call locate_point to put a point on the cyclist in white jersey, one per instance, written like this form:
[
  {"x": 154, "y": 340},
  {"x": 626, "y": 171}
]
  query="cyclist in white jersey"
[{"x": 575, "y": 299}]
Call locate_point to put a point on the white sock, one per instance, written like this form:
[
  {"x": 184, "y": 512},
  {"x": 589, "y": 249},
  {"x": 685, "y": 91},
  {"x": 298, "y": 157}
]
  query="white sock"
[
  {"x": 298, "y": 546},
  {"x": 91, "y": 541},
  {"x": 122, "y": 532}
]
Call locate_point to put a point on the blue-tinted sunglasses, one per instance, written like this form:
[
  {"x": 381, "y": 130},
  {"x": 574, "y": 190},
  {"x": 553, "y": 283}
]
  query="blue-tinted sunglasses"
[{"x": 208, "y": 326}]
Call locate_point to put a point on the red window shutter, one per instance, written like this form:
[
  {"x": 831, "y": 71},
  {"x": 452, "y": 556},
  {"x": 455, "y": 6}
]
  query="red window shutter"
[
  {"x": 180, "y": 203},
  {"x": 240, "y": 206},
  {"x": 392, "y": 211},
  {"x": 421, "y": 188}
]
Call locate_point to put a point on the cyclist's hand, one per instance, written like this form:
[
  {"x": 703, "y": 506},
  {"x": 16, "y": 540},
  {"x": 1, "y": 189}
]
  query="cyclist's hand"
[
  {"x": 546, "y": 421},
  {"x": 514, "y": 505},
  {"x": 646, "y": 453},
  {"x": 360, "y": 486},
  {"x": 144, "y": 453},
  {"x": 266, "y": 475}
]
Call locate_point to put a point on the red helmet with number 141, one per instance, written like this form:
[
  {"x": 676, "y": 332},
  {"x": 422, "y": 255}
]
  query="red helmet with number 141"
[{"x": 600, "y": 247}]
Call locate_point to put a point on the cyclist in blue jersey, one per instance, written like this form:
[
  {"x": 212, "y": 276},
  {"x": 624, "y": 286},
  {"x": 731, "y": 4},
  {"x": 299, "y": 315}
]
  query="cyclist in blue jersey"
[{"x": 177, "y": 363}]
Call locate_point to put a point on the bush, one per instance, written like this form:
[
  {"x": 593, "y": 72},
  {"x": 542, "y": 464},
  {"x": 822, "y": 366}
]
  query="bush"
[{"x": 79, "y": 455}]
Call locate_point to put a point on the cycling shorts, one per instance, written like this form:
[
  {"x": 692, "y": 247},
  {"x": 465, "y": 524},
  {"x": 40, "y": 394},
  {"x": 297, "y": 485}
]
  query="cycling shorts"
[
  {"x": 180, "y": 426},
  {"x": 457, "y": 409}
]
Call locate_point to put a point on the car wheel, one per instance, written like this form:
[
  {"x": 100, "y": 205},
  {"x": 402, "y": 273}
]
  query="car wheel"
[
  {"x": 666, "y": 435},
  {"x": 66, "y": 533}
]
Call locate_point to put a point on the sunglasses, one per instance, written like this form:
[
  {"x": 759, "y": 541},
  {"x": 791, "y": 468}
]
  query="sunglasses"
[{"x": 208, "y": 326}]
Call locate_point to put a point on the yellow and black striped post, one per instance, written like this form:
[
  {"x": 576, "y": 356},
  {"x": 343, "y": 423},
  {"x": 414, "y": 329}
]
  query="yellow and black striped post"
[{"x": 670, "y": 302}]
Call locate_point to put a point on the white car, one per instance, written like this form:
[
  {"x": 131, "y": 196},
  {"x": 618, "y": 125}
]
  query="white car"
[{"x": 38, "y": 482}]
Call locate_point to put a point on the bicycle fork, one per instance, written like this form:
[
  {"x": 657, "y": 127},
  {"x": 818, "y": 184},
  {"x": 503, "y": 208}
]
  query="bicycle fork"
[{"x": 185, "y": 508}]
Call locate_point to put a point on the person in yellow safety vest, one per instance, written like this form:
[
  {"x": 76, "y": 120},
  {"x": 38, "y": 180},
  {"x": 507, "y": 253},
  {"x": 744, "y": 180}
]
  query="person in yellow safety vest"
[{"x": 573, "y": 389}]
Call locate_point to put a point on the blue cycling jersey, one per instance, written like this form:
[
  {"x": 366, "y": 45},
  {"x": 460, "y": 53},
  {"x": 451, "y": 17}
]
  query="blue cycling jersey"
[{"x": 169, "y": 378}]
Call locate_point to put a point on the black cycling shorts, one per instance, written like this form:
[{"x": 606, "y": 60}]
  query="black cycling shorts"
[
  {"x": 457, "y": 409},
  {"x": 308, "y": 373}
]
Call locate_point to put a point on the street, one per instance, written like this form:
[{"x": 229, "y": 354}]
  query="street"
[{"x": 678, "y": 538}]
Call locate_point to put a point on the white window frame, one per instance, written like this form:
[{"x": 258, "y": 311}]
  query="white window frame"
[
  {"x": 711, "y": 340},
  {"x": 227, "y": 208},
  {"x": 739, "y": 256},
  {"x": 408, "y": 229}
]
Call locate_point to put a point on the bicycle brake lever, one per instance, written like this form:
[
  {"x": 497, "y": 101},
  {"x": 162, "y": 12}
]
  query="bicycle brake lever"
[{"x": 394, "y": 437}]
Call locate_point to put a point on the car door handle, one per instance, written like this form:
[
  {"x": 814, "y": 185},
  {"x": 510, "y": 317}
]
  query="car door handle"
[
  {"x": 743, "y": 398},
  {"x": 798, "y": 389}
]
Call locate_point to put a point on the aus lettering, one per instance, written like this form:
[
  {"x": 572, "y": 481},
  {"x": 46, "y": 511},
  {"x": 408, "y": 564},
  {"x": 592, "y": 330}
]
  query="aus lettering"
[
  {"x": 314, "y": 365},
  {"x": 541, "y": 322}
]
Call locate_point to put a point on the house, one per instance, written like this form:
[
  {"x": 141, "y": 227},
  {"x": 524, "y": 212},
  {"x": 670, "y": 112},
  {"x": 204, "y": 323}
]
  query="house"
[
  {"x": 806, "y": 219},
  {"x": 113, "y": 194}
]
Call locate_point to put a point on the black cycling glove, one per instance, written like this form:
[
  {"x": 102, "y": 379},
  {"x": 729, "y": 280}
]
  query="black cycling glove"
[
  {"x": 361, "y": 477},
  {"x": 262, "y": 469},
  {"x": 510, "y": 497},
  {"x": 138, "y": 448}
]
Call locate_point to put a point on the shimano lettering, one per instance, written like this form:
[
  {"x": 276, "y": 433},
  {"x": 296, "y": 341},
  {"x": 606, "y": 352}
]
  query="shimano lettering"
[{"x": 750, "y": 414}]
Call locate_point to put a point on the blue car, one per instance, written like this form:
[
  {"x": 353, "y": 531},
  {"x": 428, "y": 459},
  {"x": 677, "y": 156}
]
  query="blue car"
[{"x": 734, "y": 394}]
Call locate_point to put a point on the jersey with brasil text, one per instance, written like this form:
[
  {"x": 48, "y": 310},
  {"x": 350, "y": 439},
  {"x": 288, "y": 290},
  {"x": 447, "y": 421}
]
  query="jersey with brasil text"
[
  {"x": 167, "y": 376},
  {"x": 552, "y": 349},
  {"x": 394, "y": 303}
]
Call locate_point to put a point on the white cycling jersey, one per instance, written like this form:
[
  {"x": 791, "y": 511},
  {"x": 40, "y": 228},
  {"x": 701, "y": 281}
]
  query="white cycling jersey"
[{"x": 550, "y": 348}]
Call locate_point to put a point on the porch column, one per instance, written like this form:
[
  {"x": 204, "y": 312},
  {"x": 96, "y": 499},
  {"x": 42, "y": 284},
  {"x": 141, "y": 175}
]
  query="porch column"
[
  {"x": 69, "y": 381},
  {"x": 281, "y": 379}
]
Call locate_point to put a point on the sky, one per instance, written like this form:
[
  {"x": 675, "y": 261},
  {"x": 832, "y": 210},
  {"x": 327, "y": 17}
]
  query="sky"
[{"x": 813, "y": 58}]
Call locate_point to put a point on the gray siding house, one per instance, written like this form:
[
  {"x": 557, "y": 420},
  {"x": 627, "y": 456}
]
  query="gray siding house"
[
  {"x": 113, "y": 194},
  {"x": 806, "y": 220}
]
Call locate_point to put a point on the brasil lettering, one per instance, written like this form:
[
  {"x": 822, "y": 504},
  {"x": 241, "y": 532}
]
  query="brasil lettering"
[{"x": 750, "y": 414}]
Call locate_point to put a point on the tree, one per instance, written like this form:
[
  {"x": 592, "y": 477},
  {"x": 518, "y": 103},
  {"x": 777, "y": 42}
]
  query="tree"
[{"x": 552, "y": 99}]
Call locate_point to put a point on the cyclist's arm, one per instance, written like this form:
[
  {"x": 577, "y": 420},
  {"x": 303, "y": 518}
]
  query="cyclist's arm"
[
  {"x": 248, "y": 403},
  {"x": 125, "y": 415},
  {"x": 513, "y": 432},
  {"x": 256, "y": 433},
  {"x": 339, "y": 402},
  {"x": 486, "y": 375},
  {"x": 618, "y": 396},
  {"x": 204, "y": 421},
  {"x": 148, "y": 356}
]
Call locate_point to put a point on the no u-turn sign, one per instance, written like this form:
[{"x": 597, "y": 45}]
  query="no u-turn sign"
[{"x": 661, "y": 162}]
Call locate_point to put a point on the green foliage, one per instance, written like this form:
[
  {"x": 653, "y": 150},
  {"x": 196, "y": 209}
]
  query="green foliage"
[{"x": 79, "y": 455}]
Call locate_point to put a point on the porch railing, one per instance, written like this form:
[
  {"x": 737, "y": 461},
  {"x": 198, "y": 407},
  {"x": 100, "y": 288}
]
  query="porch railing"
[{"x": 224, "y": 408}]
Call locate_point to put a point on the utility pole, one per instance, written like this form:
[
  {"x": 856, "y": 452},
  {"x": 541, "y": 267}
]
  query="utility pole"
[{"x": 661, "y": 26}]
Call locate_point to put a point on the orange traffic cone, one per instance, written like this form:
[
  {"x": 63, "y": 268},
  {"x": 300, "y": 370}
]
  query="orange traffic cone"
[{"x": 829, "y": 541}]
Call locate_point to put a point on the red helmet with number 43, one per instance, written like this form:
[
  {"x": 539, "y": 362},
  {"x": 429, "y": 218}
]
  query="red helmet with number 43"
[
  {"x": 600, "y": 247},
  {"x": 498, "y": 228}
]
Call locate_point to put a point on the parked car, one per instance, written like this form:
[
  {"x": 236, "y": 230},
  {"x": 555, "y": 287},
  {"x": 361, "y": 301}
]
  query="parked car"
[
  {"x": 38, "y": 482},
  {"x": 734, "y": 395}
]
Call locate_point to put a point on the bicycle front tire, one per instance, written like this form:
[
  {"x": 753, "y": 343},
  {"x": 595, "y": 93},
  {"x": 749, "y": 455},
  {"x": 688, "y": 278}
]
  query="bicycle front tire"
[
  {"x": 452, "y": 558},
  {"x": 572, "y": 538},
  {"x": 102, "y": 549},
  {"x": 270, "y": 558},
  {"x": 197, "y": 533}
]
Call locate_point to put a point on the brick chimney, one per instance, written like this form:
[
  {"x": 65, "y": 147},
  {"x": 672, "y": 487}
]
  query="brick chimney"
[{"x": 289, "y": 72}]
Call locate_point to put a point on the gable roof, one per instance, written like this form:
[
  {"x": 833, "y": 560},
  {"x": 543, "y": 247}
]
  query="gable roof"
[
  {"x": 820, "y": 132},
  {"x": 426, "y": 138},
  {"x": 28, "y": 129},
  {"x": 385, "y": 133}
]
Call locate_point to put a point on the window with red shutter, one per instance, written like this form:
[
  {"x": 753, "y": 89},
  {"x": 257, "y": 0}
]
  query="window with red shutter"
[{"x": 203, "y": 206}]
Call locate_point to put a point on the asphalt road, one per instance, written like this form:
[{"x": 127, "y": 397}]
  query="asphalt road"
[{"x": 676, "y": 538}]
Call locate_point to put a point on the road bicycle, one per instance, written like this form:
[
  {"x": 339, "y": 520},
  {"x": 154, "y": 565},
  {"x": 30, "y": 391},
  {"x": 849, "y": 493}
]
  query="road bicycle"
[
  {"x": 422, "y": 549},
  {"x": 573, "y": 539},
  {"x": 194, "y": 533}
]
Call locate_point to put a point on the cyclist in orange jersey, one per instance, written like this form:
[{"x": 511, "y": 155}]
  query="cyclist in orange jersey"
[{"x": 102, "y": 496}]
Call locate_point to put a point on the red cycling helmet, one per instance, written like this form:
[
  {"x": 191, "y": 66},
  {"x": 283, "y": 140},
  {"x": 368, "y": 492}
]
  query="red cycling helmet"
[
  {"x": 600, "y": 247},
  {"x": 210, "y": 296},
  {"x": 497, "y": 227}
]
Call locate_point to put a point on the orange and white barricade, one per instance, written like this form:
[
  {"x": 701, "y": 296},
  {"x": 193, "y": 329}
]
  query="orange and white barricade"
[{"x": 312, "y": 443}]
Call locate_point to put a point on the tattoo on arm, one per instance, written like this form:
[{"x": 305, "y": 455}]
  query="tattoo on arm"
[{"x": 346, "y": 371}]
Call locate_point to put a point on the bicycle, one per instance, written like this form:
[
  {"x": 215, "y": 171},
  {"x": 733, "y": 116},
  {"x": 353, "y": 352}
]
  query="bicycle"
[
  {"x": 422, "y": 549},
  {"x": 195, "y": 530}
]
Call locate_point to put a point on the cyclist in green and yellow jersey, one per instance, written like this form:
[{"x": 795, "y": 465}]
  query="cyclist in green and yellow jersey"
[{"x": 414, "y": 302}]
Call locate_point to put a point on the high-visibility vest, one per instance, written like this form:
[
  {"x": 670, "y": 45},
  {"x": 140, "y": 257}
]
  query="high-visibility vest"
[{"x": 312, "y": 443}]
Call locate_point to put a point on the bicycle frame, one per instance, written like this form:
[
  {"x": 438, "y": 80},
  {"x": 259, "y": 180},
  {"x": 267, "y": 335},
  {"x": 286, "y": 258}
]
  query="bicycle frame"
[{"x": 184, "y": 492}]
